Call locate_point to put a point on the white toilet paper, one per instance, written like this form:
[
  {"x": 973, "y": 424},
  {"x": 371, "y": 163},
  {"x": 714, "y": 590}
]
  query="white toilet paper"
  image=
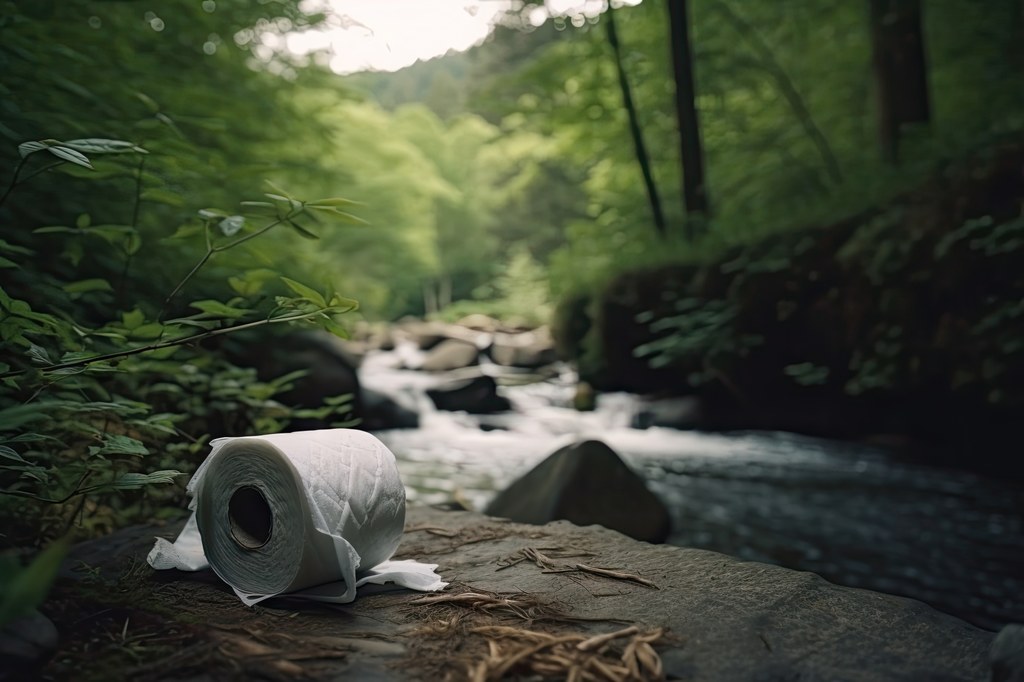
[{"x": 314, "y": 514}]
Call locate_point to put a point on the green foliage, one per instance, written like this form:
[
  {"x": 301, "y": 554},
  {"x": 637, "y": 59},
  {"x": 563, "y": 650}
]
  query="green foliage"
[
  {"x": 700, "y": 334},
  {"x": 25, "y": 587},
  {"x": 85, "y": 403},
  {"x": 519, "y": 295}
]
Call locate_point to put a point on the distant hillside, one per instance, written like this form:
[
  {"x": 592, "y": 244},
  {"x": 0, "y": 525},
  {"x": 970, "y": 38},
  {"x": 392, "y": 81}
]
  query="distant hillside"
[{"x": 457, "y": 81}]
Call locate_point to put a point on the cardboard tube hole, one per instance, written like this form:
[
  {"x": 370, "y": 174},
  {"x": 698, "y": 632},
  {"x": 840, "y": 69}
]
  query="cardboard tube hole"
[{"x": 250, "y": 518}]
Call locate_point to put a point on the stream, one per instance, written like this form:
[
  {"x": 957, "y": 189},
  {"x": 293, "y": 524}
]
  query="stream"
[{"x": 851, "y": 513}]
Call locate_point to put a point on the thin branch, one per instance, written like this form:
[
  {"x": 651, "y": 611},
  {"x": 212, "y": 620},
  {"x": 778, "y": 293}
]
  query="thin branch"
[
  {"x": 134, "y": 223},
  {"x": 77, "y": 490},
  {"x": 14, "y": 179},
  {"x": 181, "y": 341},
  {"x": 210, "y": 250}
]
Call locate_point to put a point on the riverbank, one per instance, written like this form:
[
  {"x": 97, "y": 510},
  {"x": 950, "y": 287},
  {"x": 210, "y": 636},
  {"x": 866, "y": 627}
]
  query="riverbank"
[
  {"x": 902, "y": 319},
  {"x": 707, "y": 616}
]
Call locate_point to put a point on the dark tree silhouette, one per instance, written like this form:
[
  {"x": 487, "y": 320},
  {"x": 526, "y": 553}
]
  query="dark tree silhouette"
[
  {"x": 900, "y": 70},
  {"x": 694, "y": 190},
  {"x": 634, "y": 126}
]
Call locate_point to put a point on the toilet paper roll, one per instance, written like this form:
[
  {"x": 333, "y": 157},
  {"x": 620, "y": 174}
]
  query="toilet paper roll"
[{"x": 313, "y": 513}]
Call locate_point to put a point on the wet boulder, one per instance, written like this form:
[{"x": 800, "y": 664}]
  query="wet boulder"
[
  {"x": 378, "y": 412},
  {"x": 479, "y": 322},
  {"x": 450, "y": 354},
  {"x": 530, "y": 349},
  {"x": 329, "y": 372},
  {"x": 25, "y": 644},
  {"x": 476, "y": 395},
  {"x": 1007, "y": 654},
  {"x": 585, "y": 483},
  {"x": 682, "y": 412}
]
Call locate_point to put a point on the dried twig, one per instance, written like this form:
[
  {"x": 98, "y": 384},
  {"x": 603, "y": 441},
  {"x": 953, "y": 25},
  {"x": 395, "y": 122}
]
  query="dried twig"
[
  {"x": 570, "y": 657},
  {"x": 548, "y": 564},
  {"x": 433, "y": 530},
  {"x": 608, "y": 573}
]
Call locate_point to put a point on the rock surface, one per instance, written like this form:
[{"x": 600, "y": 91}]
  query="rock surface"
[
  {"x": 725, "y": 619},
  {"x": 450, "y": 354},
  {"x": 477, "y": 395},
  {"x": 585, "y": 483},
  {"x": 25, "y": 645},
  {"x": 530, "y": 349}
]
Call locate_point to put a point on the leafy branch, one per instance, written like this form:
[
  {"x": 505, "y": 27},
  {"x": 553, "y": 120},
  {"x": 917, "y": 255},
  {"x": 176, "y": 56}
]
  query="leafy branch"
[
  {"x": 286, "y": 209},
  {"x": 72, "y": 151},
  {"x": 343, "y": 306}
]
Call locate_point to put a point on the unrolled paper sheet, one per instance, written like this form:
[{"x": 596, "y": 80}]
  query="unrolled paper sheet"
[{"x": 314, "y": 514}]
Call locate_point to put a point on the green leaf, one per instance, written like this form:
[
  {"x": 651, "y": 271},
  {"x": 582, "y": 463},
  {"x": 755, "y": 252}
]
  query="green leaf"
[
  {"x": 134, "y": 481},
  {"x": 13, "y": 248},
  {"x": 8, "y": 263},
  {"x": 71, "y": 156},
  {"x": 277, "y": 190},
  {"x": 184, "y": 230},
  {"x": 231, "y": 225},
  {"x": 83, "y": 286},
  {"x": 219, "y": 309},
  {"x": 26, "y": 148},
  {"x": 212, "y": 213},
  {"x": 162, "y": 196},
  {"x": 99, "y": 145},
  {"x": 28, "y": 587},
  {"x": 333, "y": 202},
  {"x": 148, "y": 101},
  {"x": 132, "y": 319},
  {"x": 345, "y": 304},
  {"x": 38, "y": 355},
  {"x": 83, "y": 221},
  {"x": 115, "y": 444},
  {"x": 9, "y": 453},
  {"x": 303, "y": 231},
  {"x": 148, "y": 331},
  {"x": 305, "y": 292},
  {"x": 56, "y": 229},
  {"x": 338, "y": 214}
]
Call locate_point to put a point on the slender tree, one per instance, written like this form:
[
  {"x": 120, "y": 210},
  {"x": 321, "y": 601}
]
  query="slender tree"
[
  {"x": 634, "y": 126},
  {"x": 694, "y": 190},
  {"x": 900, "y": 70}
]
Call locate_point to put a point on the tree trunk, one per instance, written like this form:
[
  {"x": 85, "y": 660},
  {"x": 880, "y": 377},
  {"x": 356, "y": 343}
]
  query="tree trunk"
[
  {"x": 634, "y": 127},
  {"x": 900, "y": 70},
  {"x": 694, "y": 190}
]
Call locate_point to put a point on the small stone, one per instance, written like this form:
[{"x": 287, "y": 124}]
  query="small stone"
[
  {"x": 1007, "y": 654},
  {"x": 26, "y": 643}
]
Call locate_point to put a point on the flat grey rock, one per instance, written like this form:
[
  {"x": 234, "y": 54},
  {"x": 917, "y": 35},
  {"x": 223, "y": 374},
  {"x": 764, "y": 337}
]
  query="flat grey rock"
[{"x": 725, "y": 619}]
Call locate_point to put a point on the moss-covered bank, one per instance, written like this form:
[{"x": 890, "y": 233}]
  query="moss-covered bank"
[{"x": 907, "y": 317}]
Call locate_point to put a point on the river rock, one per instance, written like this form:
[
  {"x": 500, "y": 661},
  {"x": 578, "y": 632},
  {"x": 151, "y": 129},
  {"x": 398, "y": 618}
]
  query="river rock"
[
  {"x": 450, "y": 354},
  {"x": 1007, "y": 654},
  {"x": 425, "y": 335},
  {"x": 329, "y": 371},
  {"x": 479, "y": 322},
  {"x": 725, "y": 619},
  {"x": 25, "y": 644},
  {"x": 672, "y": 413},
  {"x": 477, "y": 395},
  {"x": 585, "y": 483},
  {"x": 378, "y": 412},
  {"x": 530, "y": 349}
]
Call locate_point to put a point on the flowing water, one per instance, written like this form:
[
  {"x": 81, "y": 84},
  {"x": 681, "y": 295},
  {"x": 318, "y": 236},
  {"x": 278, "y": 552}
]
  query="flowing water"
[{"x": 848, "y": 512}]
